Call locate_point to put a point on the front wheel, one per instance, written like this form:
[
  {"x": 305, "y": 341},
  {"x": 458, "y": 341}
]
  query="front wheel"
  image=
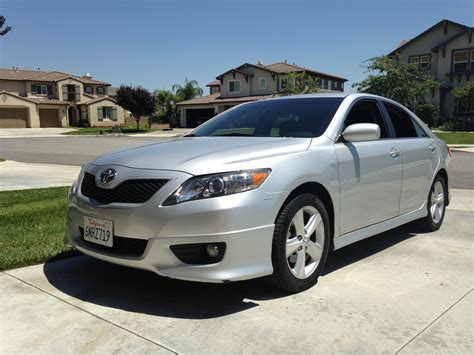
[
  {"x": 300, "y": 243},
  {"x": 436, "y": 205}
]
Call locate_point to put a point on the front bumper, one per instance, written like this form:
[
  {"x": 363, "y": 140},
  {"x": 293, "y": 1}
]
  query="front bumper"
[{"x": 243, "y": 221}]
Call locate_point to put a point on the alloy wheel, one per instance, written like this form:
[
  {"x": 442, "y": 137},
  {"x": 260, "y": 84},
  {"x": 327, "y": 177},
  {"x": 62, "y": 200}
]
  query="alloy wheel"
[
  {"x": 305, "y": 241},
  {"x": 437, "y": 202}
]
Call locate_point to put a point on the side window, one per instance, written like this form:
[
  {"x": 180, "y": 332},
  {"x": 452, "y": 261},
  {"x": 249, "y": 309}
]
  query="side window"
[
  {"x": 402, "y": 122},
  {"x": 366, "y": 112}
]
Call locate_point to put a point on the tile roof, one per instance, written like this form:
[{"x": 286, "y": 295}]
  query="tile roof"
[
  {"x": 216, "y": 99},
  {"x": 214, "y": 83},
  {"x": 442, "y": 22},
  {"x": 15, "y": 74},
  {"x": 97, "y": 99},
  {"x": 280, "y": 68},
  {"x": 36, "y": 100},
  {"x": 45, "y": 101}
]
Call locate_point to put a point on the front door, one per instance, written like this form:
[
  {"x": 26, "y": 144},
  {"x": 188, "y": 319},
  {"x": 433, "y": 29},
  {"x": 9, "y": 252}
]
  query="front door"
[{"x": 370, "y": 173}]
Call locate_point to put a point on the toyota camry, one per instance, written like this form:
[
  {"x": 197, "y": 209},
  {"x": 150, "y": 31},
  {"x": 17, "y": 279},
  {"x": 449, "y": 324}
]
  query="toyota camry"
[{"x": 265, "y": 189}]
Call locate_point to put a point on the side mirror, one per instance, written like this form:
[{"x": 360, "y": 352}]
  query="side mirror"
[{"x": 361, "y": 132}]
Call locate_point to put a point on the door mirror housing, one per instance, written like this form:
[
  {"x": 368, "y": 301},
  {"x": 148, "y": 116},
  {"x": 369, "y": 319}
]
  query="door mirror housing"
[{"x": 360, "y": 132}]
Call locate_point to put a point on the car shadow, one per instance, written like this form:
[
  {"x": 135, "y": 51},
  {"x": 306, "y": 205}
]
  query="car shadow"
[{"x": 140, "y": 291}]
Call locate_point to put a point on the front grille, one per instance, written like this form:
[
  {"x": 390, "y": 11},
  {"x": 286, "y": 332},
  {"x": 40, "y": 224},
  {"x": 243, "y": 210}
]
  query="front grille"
[
  {"x": 122, "y": 245},
  {"x": 129, "y": 191}
]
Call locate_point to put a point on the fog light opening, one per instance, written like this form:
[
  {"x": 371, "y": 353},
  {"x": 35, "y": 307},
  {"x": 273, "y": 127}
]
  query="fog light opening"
[{"x": 213, "y": 250}]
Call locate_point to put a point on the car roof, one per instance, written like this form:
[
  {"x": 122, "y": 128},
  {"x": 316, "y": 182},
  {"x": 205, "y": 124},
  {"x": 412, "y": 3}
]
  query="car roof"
[{"x": 327, "y": 95}]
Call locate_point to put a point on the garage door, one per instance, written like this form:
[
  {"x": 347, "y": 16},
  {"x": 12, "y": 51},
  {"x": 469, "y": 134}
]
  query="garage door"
[
  {"x": 48, "y": 117},
  {"x": 13, "y": 117}
]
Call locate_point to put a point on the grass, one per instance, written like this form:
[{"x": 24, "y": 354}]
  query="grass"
[
  {"x": 456, "y": 137},
  {"x": 107, "y": 130},
  {"x": 33, "y": 224}
]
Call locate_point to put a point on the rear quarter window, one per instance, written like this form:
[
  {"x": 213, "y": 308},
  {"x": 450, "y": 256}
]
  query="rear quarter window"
[{"x": 402, "y": 122}]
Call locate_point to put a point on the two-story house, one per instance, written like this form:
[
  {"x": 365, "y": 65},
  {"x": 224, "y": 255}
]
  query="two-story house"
[
  {"x": 248, "y": 82},
  {"x": 34, "y": 98},
  {"x": 444, "y": 51}
]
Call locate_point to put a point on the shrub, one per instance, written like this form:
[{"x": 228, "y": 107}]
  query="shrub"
[
  {"x": 429, "y": 114},
  {"x": 462, "y": 125}
]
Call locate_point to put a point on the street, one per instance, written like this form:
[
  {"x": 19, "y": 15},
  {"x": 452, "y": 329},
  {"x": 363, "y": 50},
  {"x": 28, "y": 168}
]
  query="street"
[{"x": 76, "y": 150}]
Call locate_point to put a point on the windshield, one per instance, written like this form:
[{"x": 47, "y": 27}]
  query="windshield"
[{"x": 307, "y": 117}]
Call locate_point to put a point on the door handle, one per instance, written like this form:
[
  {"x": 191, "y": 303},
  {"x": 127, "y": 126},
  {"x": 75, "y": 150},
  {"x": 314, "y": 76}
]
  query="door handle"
[
  {"x": 395, "y": 153},
  {"x": 431, "y": 148}
]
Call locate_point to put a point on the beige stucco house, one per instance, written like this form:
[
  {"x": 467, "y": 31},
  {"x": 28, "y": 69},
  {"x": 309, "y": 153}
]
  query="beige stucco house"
[
  {"x": 446, "y": 52},
  {"x": 247, "y": 82},
  {"x": 34, "y": 98}
]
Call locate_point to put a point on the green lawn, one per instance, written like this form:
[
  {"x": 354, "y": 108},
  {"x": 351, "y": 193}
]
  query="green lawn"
[
  {"x": 456, "y": 137},
  {"x": 96, "y": 130},
  {"x": 33, "y": 224}
]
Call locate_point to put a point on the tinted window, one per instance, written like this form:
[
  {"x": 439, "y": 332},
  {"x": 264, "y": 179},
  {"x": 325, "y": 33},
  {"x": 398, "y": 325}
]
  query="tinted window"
[
  {"x": 402, "y": 122},
  {"x": 366, "y": 112},
  {"x": 275, "y": 118}
]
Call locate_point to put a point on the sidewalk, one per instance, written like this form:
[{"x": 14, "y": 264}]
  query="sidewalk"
[
  {"x": 33, "y": 132},
  {"x": 462, "y": 147},
  {"x": 20, "y": 176}
]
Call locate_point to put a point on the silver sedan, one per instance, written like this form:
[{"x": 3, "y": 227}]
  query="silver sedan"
[{"x": 265, "y": 189}]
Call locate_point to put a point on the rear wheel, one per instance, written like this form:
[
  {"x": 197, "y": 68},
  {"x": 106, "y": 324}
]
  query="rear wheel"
[
  {"x": 436, "y": 205},
  {"x": 300, "y": 243}
]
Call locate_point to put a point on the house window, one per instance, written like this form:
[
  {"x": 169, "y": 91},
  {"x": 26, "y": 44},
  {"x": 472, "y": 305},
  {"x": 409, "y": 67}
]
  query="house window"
[
  {"x": 100, "y": 90},
  {"x": 460, "y": 59},
  {"x": 42, "y": 89},
  {"x": 262, "y": 83},
  {"x": 472, "y": 60},
  {"x": 425, "y": 62},
  {"x": 214, "y": 90},
  {"x": 107, "y": 113},
  {"x": 234, "y": 85},
  {"x": 414, "y": 59},
  {"x": 324, "y": 83},
  {"x": 88, "y": 90},
  {"x": 283, "y": 84}
]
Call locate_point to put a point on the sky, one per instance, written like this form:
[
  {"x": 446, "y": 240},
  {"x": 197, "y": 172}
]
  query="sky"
[{"x": 156, "y": 44}]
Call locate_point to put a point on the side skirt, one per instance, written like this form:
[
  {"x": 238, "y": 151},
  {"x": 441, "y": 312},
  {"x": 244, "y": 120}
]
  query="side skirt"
[{"x": 381, "y": 227}]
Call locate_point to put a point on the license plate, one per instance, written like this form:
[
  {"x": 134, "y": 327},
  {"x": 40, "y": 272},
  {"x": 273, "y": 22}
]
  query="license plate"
[{"x": 99, "y": 231}]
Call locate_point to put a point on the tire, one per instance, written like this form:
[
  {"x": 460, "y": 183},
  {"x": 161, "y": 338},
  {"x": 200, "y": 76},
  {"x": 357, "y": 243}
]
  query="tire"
[
  {"x": 436, "y": 206},
  {"x": 301, "y": 269}
]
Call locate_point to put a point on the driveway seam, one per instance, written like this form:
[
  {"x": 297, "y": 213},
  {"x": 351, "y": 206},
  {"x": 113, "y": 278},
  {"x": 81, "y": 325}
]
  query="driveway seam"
[
  {"x": 90, "y": 313},
  {"x": 434, "y": 321}
]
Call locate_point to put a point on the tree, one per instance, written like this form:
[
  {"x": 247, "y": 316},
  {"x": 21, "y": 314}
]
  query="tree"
[
  {"x": 396, "y": 80},
  {"x": 465, "y": 97},
  {"x": 4, "y": 31},
  {"x": 163, "y": 104},
  {"x": 137, "y": 100},
  {"x": 299, "y": 83},
  {"x": 188, "y": 91}
]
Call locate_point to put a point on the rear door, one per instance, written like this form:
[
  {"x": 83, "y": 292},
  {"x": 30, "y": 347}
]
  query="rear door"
[
  {"x": 370, "y": 172},
  {"x": 420, "y": 157}
]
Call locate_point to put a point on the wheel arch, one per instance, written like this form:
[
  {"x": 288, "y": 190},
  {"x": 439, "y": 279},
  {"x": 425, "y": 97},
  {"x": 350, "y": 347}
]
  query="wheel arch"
[{"x": 319, "y": 190}]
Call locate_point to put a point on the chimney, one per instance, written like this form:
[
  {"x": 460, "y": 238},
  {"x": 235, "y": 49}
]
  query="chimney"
[
  {"x": 286, "y": 61},
  {"x": 87, "y": 75},
  {"x": 260, "y": 62}
]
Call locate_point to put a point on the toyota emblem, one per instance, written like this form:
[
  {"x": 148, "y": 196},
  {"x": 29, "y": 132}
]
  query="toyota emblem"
[{"x": 107, "y": 175}]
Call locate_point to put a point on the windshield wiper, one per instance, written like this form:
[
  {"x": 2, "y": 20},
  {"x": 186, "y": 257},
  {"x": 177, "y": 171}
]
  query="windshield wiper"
[{"x": 235, "y": 134}]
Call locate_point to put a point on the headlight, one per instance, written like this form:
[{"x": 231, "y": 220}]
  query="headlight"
[{"x": 215, "y": 185}]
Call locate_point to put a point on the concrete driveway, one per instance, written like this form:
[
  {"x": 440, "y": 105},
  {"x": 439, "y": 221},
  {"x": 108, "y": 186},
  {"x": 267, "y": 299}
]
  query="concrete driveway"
[
  {"x": 400, "y": 291},
  {"x": 19, "y": 176}
]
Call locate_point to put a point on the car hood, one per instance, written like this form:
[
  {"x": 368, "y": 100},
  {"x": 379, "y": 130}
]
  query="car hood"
[{"x": 201, "y": 155}]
